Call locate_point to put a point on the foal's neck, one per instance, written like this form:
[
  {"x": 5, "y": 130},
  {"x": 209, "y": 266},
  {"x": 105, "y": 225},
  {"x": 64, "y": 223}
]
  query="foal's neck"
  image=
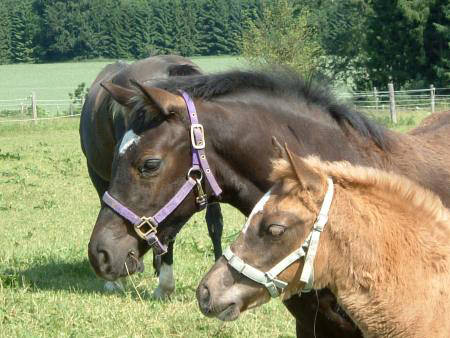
[{"x": 384, "y": 264}]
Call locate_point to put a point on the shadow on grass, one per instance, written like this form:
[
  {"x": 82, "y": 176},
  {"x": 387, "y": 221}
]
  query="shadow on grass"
[
  {"x": 58, "y": 275},
  {"x": 54, "y": 275}
]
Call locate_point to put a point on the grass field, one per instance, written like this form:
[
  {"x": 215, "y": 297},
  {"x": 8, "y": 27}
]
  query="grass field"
[
  {"x": 55, "y": 80},
  {"x": 47, "y": 288}
]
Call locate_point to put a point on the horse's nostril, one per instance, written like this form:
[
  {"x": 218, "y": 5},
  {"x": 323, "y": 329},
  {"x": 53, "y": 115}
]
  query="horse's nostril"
[{"x": 102, "y": 257}]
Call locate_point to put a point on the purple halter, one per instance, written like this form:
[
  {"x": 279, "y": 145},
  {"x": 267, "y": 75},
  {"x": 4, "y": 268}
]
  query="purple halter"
[{"x": 146, "y": 227}]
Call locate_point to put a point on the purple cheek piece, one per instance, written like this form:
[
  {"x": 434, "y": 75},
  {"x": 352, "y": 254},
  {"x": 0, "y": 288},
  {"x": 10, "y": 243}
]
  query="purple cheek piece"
[{"x": 199, "y": 164}]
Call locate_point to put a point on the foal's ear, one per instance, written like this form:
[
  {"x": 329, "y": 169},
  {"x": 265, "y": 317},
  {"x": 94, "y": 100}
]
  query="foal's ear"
[
  {"x": 280, "y": 152},
  {"x": 120, "y": 94},
  {"x": 158, "y": 100},
  {"x": 307, "y": 176}
]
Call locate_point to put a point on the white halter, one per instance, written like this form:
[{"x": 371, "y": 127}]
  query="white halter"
[{"x": 268, "y": 279}]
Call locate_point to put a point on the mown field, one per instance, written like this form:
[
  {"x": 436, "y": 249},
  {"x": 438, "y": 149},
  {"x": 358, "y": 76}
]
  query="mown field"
[
  {"x": 47, "y": 288},
  {"x": 55, "y": 80}
]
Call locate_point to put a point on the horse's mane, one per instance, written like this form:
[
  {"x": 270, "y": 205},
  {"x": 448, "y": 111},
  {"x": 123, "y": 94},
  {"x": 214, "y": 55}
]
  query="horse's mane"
[
  {"x": 393, "y": 185},
  {"x": 280, "y": 83}
]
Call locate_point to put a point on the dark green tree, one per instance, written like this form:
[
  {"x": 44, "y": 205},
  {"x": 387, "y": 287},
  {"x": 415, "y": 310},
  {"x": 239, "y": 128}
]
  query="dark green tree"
[
  {"x": 437, "y": 44},
  {"x": 163, "y": 34},
  {"x": 395, "y": 42},
  {"x": 23, "y": 25},
  {"x": 4, "y": 34}
]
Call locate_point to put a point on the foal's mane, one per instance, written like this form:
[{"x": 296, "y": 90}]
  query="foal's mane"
[
  {"x": 391, "y": 184},
  {"x": 279, "y": 83}
]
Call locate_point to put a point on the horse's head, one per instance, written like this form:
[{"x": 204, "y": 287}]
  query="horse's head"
[
  {"x": 266, "y": 257},
  {"x": 150, "y": 165}
]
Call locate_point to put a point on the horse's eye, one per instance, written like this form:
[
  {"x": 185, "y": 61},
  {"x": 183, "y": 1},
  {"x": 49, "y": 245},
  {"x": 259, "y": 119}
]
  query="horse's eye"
[
  {"x": 276, "y": 230},
  {"x": 150, "y": 165}
]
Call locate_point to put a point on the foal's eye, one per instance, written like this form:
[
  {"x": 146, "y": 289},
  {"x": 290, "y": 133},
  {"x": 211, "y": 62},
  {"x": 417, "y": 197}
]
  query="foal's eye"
[
  {"x": 276, "y": 230},
  {"x": 150, "y": 165}
]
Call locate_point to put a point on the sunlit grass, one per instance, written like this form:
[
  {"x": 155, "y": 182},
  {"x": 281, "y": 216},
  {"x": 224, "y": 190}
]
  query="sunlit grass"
[{"x": 47, "y": 288}]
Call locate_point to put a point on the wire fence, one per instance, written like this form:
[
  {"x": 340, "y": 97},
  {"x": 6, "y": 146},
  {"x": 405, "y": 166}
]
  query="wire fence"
[
  {"x": 400, "y": 102},
  {"x": 31, "y": 109},
  {"x": 375, "y": 103}
]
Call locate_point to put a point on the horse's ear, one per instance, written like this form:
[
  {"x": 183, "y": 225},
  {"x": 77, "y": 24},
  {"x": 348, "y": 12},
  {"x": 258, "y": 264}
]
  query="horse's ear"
[
  {"x": 120, "y": 94},
  {"x": 159, "y": 100},
  {"x": 183, "y": 70},
  {"x": 280, "y": 152},
  {"x": 307, "y": 176}
]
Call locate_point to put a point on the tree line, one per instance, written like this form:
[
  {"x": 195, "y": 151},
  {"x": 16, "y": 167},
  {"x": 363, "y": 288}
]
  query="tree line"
[
  {"x": 57, "y": 30},
  {"x": 367, "y": 41}
]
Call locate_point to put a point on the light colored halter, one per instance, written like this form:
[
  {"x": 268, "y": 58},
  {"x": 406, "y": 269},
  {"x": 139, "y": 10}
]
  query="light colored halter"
[{"x": 268, "y": 279}]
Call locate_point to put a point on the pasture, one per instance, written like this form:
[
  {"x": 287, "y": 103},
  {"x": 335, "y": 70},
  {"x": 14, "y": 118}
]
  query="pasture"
[
  {"x": 55, "y": 80},
  {"x": 47, "y": 288}
]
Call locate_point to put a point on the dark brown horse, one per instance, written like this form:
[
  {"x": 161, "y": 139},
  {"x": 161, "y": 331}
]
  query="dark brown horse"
[
  {"x": 239, "y": 112},
  {"x": 103, "y": 125}
]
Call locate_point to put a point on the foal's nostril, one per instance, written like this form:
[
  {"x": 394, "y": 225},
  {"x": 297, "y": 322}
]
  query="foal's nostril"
[{"x": 204, "y": 297}]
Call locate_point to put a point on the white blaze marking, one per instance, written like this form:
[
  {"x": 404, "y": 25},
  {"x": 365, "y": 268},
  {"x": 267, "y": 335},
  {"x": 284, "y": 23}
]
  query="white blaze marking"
[
  {"x": 128, "y": 139},
  {"x": 257, "y": 208}
]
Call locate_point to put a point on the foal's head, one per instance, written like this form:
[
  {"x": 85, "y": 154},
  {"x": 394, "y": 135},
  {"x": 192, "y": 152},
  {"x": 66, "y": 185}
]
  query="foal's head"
[{"x": 278, "y": 226}]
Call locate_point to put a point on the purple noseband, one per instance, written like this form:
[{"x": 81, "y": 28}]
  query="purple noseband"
[{"x": 146, "y": 227}]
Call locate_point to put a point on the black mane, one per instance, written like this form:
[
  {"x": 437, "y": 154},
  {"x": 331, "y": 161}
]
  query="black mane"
[{"x": 280, "y": 83}]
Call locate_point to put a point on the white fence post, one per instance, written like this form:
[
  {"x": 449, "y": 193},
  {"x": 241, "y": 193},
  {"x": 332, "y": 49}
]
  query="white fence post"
[
  {"x": 375, "y": 94},
  {"x": 34, "y": 108},
  {"x": 432, "y": 98},
  {"x": 392, "y": 103}
]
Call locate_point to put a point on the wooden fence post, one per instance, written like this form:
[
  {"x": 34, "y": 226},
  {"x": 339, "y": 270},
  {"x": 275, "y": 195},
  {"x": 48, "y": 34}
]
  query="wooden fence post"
[
  {"x": 375, "y": 94},
  {"x": 392, "y": 103},
  {"x": 432, "y": 97},
  {"x": 34, "y": 108}
]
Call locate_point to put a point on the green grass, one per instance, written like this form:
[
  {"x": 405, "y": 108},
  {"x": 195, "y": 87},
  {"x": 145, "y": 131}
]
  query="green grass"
[
  {"x": 47, "y": 288},
  {"x": 55, "y": 80},
  {"x": 406, "y": 120}
]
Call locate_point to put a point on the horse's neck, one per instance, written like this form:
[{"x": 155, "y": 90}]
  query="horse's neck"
[
  {"x": 241, "y": 137},
  {"x": 384, "y": 270}
]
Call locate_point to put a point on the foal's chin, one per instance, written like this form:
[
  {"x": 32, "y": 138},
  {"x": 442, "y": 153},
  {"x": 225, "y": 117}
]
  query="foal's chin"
[{"x": 232, "y": 312}]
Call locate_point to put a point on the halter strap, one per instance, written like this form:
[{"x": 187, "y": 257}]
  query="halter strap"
[
  {"x": 268, "y": 279},
  {"x": 198, "y": 145},
  {"x": 146, "y": 227}
]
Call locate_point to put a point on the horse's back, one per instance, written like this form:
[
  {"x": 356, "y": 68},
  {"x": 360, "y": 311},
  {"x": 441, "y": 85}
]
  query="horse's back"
[
  {"x": 432, "y": 124},
  {"x": 96, "y": 133}
]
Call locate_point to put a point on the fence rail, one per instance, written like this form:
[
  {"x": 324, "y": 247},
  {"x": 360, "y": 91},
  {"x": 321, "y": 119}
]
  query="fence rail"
[
  {"x": 430, "y": 99},
  {"x": 393, "y": 101},
  {"x": 32, "y": 109}
]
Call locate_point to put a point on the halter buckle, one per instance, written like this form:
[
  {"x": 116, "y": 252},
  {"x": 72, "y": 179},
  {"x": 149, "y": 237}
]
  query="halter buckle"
[
  {"x": 147, "y": 226},
  {"x": 200, "y": 143}
]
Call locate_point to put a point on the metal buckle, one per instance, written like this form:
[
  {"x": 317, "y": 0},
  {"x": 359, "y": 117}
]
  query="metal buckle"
[
  {"x": 150, "y": 226},
  {"x": 201, "y": 199},
  {"x": 195, "y": 170},
  {"x": 197, "y": 144}
]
